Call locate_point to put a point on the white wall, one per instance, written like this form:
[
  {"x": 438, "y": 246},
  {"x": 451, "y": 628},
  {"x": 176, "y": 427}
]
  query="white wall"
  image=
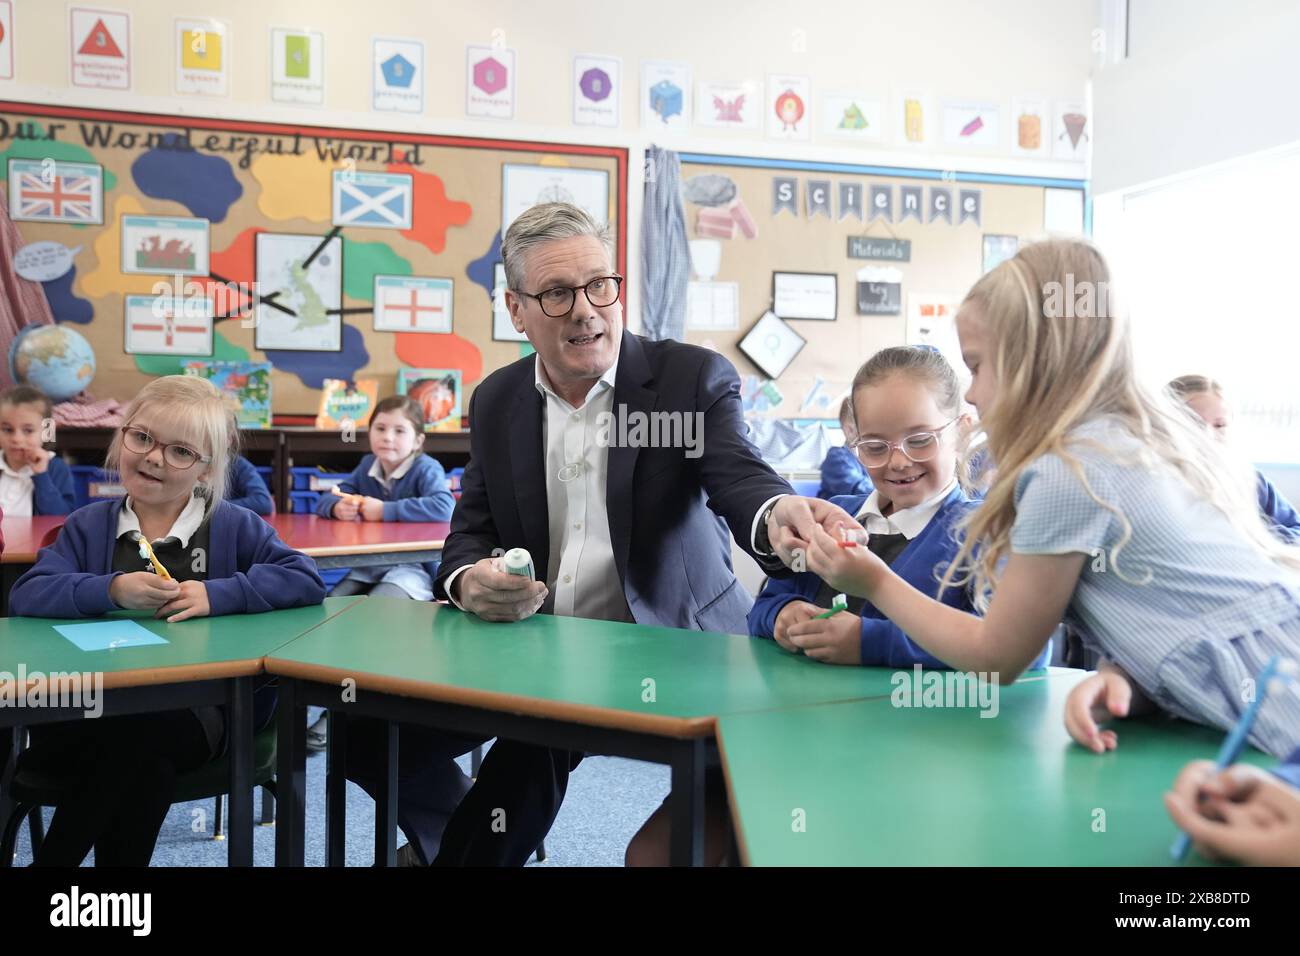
[
  {"x": 1206, "y": 81},
  {"x": 950, "y": 48}
]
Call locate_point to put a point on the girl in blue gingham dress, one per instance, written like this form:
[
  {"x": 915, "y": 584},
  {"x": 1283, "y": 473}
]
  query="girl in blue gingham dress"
[{"x": 1109, "y": 507}]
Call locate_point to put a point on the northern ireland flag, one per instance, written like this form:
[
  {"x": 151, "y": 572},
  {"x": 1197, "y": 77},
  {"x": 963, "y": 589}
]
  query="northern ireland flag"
[{"x": 167, "y": 326}]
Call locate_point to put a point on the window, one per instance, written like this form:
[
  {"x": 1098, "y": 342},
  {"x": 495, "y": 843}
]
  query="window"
[{"x": 1208, "y": 267}]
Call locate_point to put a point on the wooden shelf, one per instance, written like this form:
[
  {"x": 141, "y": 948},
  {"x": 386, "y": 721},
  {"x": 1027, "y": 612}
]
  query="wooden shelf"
[{"x": 278, "y": 447}]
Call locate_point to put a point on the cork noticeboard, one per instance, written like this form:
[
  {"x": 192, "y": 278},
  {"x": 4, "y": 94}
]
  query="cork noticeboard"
[
  {"x": 162, "y": 174},
  {"x": 944, "y": 259}
]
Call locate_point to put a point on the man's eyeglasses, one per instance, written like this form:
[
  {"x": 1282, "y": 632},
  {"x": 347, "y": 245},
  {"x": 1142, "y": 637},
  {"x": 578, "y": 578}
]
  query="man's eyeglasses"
[
  {"x": 557, "y": 302},
  {"x": 180, "y": 457},
  {"x": 919, "y": 447}
]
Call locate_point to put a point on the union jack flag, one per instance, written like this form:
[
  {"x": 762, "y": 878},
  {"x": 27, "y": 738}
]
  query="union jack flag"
[{"x": 43, "y": 191}]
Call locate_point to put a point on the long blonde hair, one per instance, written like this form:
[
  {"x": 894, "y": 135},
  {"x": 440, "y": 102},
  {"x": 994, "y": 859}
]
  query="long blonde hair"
[
  {"x": 1058, "y": 368},
  {"x": 197, "y": 409}
]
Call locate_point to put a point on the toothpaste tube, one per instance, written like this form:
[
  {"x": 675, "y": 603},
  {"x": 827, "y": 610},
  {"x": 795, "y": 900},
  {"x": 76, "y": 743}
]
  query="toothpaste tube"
[{"x": 518, "y": 561}]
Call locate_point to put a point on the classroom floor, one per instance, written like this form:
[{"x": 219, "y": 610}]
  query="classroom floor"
[{"x": 608, "y": 799}]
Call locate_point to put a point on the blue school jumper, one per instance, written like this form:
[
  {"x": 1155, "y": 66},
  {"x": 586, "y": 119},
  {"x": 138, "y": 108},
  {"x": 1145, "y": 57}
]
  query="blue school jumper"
[
  {"x": 52, "y": 492},
  {"x": 921, "y": 564},
  {"x": 1278, "y": 511},
  {"x": 132, "y": 761},
  {"x": 246, "y": 487},
  {"x": 844, "y": 474},
  {"x": 249, "y": 569},
  {"x": 422, "y": 494},
  {"x": 1290, "y": 770}
]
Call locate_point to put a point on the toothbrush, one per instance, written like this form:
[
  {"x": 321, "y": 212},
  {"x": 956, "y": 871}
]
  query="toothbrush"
[
  {"x": 1276, "y": 673},
  {"x": 146, "y": 552},
  {"x": 840, "y": 603}
]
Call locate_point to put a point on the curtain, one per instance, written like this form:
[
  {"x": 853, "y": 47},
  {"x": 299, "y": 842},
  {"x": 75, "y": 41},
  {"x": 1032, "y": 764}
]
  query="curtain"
[
  {"x": 22, "y": 301},
  {"x": 665, "y": 257}
]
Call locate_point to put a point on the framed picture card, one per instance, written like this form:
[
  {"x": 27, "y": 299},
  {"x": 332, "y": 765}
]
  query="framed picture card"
[
  {"x": 772, "y": 344},
  {"x": 805, "y": 295}
]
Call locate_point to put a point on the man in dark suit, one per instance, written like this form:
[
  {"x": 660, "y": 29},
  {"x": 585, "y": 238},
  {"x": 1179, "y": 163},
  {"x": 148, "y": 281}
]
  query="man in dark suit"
[{"x": 622, "y": 466}]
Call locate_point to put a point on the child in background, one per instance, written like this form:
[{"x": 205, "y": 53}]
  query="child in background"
[
  {"x": 33, "y": 481},
  {"x": 842, "y": 472},
  {"x": 1204, "y": 396},
  {"x": 395, "y": 482},
  {"x": 1108, "y": 507},
  {"x": 906, "y": 408},
  {"x": 172, "y": 456},
  {"x": 247, "y": 489},
  {"x": 1241, "y": 814}
]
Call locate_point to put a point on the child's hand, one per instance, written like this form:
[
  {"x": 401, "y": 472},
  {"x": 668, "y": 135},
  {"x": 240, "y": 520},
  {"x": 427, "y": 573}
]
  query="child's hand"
[
  {"x": 833, "y": 640},
  {"x": 39, "y": 459},
  {"x": 790, "y": 525},
  {"x": 1106, "y": 694},
  {"x": 796, "y": 612},
  {"x": 142, "y": 590},
  {"x": 346, "y": 509},
  {"x": 851, "y": 570},
  {"x": 191, "y": 602},
  {"x": 1242, "y": 814},
  {"x": 372, "y": 509}
]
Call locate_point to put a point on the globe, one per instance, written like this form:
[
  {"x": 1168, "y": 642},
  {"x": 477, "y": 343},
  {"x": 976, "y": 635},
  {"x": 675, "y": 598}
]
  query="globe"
[{"x": 54, "y": 359}]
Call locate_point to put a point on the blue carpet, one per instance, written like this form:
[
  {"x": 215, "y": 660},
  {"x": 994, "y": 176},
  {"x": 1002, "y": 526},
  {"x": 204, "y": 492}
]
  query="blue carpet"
[{"x": 608, "y": 800}]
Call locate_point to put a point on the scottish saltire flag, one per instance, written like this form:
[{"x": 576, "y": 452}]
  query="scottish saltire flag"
[
  {"x": 48, "y": 191},
  {"x": 380, "y": 200}
]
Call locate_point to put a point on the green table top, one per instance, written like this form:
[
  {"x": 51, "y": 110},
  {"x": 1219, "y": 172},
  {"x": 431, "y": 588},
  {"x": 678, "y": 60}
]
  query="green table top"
[
  {"x": 886, "y": 785},
  {"x": 197, "y": 649},
  {"x": 569, "y": 668}
]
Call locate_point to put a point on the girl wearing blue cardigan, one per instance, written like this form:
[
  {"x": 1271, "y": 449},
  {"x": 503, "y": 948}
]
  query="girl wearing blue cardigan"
[
  {"x": 172, "y": 456},
  {"x": 247, "y": 489},
  {"x": 33, "y": 480},
  {"x": 395, "y": 482},
  {"x": 1204, "y": 397},
  {"x": 907, "y": 412}
]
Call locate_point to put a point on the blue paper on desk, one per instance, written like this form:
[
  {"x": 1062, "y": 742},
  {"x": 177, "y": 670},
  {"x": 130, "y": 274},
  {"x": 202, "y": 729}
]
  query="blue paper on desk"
[{"x": 108, "y": 635}]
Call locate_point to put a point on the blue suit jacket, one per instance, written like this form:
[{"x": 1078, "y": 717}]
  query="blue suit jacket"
[
  {"x": 921, "y": 564},
  {"x": 671, "y": 550}
]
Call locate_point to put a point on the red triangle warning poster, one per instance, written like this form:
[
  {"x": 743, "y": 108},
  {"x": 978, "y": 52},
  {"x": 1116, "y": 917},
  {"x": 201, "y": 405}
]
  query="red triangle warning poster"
[{"x": 99, "y": 42}]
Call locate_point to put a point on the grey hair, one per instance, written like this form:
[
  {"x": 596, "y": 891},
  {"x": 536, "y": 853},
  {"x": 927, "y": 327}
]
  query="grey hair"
[{"x": 543, "y": 223}]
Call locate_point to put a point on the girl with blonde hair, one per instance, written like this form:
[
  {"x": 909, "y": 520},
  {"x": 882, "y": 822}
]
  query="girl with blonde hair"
[
  {"x": 1109, "y": 508},
  {"x": 205, "y": 557},
  {"x": 1204, "y": 397}
]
